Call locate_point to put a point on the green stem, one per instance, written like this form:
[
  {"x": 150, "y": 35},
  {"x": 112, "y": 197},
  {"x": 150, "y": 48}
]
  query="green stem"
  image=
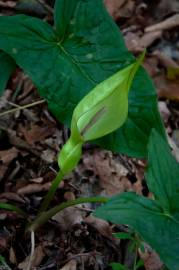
[
  {"x": 51, "y": 191},
  {"x": 45, "y": 216},
  {"x": 11, "y": 207}
]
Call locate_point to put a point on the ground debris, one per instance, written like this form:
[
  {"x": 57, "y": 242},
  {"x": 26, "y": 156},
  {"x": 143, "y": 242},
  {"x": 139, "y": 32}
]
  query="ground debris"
[
  {"x": 37, "y": 258},
  {"x": 165, "y": 25},
  {"x": 71, "y": 265}
]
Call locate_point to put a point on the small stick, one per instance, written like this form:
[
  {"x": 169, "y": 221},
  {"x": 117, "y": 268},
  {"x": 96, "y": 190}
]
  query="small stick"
[
  {"x": 22, "y": 107},
  {"x": 165, "y": 25}
]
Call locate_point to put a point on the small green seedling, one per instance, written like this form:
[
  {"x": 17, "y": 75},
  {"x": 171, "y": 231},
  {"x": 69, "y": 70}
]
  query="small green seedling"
[{"x": 136, "y": 244}]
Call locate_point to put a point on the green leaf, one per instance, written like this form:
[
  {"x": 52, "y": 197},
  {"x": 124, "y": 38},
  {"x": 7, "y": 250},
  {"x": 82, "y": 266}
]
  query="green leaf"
[
  {"x": 139, "y": 264},
  {"x": 122, "y": 235},
  {"x": 156, "y": 221},
  {"x": 7, "y": 66},
  {"x": 65, "y": 64},
  {"x": 118, "y": 266},
  {"x": 63, "y": 16},
  {"x": 147, "y": 218},
  {"x": 163, "y": 173},
  {"x": 13, "y": 208}
]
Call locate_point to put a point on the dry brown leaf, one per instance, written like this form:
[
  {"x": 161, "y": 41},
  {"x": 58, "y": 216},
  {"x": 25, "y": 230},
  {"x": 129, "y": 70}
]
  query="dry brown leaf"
[
  {"x": 174, "y": 145},
  {"x": 166, "y": 88},
  {"x": 37, "y": 133},
  {"x": 165, "y": 60},
  {"x": 3, "y": 170},
  {"x": 69, "y": 196},
  {"x": 164, "y": 111},
  {"x": 137, "y": 187},
  {"x": 151, "y": 65},
  {"x": 10, "y": 196},
  {"x": 12, "y": 256},
  {"x": 151, "y": 259},
  {"x": 127, "y": 10},
  {"x": 71, "y": 265},
  {"x": 34, "y": 188},
  {"x": 110, "y": 172},
  {"x": 68, "y": 217},
  {"x": 48, "y": 156},
  {"x": 5, "y": 98},
  {"x": 7, "y": 156},
  {"x": 7, "y": 4},
  {"x": 147, "y": 39},
  {"x": 132, "y": 42},
  {"x": 28, "y": 86},
  {"x": 19, "y": 143},
  {"x": 166, "y": 7},
  {"x": 100, "y": 225},
  {"x": 175, "y": 137},
  {"x": 113, "y": 6},
  {"x": 3, "y": 243},
  {"x": 38, "y": 180},
  {"x": 135, "y": 43},
  {"x": 36, "y": 260}
]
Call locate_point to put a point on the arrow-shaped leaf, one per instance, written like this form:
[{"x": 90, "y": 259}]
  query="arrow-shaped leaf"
[
  {"x": 157, "y": 221},
  {"x": 66, "y": 63}
]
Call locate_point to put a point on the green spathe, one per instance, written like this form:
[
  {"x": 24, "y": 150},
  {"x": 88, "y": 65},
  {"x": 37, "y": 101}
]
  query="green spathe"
[
  {"x": 99, "y": 113},
  {"x": 105, "y": 108}
]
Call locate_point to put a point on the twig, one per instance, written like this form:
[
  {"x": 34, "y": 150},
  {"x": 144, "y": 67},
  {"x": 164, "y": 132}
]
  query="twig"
[
  {"x": 46, "y": 6},
  {"x": 165, "y": 60},
  {"x": 149, "y": 38},
  {"x": 165, "y": 25},
  {"x": 22, "y": 107},
  {"x": 88, "y": 254}
]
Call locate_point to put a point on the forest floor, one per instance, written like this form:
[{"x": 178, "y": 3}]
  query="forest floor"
[{"x": 31, "y": 138}]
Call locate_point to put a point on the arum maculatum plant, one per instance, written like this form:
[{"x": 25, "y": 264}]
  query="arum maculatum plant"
[
  {"x": 79, "y": 53},
  {"x": 103, "y": 110},
  {"x": 99, "y": 113}
]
